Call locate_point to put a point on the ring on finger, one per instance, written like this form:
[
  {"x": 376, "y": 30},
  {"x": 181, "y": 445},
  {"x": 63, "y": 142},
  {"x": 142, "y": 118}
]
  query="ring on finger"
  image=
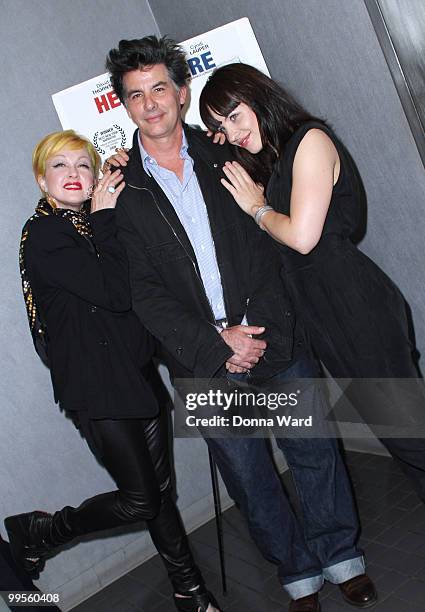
[{"x": 111, "y": 189}]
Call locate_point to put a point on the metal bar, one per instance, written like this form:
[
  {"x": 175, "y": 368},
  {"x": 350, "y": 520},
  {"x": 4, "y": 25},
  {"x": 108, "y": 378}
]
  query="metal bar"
[
  {"x": 218, "y": 519},
  {"x": 406, "y": 98}
]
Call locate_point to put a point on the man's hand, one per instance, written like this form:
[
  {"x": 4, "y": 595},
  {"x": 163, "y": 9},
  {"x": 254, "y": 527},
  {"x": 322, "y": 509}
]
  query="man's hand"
[
  {"x": 235, "y": 369},
  {"x": 247, "y": 351}
]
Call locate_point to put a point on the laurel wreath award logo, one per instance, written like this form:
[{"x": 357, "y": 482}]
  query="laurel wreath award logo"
[{"x": 106, "y": 141}]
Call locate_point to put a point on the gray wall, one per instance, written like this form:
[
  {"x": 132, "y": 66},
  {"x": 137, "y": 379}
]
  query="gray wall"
[{"x": 48, "y": 45}]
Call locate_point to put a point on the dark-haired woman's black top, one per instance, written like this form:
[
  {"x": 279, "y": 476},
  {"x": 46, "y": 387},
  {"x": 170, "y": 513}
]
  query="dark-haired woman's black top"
[
  {"x": 96, "y": 344},
  {"x": 355, "y": 315}
]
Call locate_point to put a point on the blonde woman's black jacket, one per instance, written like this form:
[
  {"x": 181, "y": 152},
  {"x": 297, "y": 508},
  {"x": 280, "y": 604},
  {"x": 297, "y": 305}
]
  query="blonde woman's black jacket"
[
  {"x": 96, "y": 344},
  {"x": 167, "y": 290}
]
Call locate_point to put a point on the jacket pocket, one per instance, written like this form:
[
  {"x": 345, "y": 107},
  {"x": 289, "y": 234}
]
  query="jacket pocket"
[{"x": 165, "y": 252}]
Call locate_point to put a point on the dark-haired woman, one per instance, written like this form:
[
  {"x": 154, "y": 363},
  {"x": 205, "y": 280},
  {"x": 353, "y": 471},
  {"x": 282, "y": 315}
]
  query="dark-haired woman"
[
  {"x": 311, "y": 207},
  {"x": 76, "y": 288}
]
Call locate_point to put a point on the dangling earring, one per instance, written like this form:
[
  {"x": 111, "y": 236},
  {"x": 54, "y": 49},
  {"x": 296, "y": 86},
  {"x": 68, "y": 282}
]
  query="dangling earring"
[
  {"x": 90, "y": 191},
  {"x": 43, "y": 186},
  {"x": 51, "y": 200}
]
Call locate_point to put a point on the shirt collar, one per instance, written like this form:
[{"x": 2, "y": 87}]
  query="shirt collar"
[{"x": 148, "y": 161}]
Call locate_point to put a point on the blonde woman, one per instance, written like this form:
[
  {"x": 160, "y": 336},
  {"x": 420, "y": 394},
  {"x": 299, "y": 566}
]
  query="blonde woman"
[{"x": 75, "y": 282}]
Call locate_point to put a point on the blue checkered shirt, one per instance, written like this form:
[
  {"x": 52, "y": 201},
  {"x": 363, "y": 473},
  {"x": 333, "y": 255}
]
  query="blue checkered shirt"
[{"x": 188, "y": 202}]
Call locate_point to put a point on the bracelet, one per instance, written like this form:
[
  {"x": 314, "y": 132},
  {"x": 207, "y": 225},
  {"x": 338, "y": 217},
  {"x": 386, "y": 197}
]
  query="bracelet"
[{"x": 261, "y": 212}]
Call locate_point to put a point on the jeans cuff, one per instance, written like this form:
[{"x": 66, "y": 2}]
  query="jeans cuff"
[
  {"x": 345, "y": 570},
  {"x": 304, "y": 587}
]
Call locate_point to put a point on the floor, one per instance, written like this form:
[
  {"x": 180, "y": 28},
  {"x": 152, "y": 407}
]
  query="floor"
[{"x": 393, "y": 538}]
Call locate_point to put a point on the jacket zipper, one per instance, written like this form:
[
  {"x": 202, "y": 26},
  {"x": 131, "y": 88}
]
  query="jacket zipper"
[
  {"x": 183, "y": 246},
  {"x": 227, "y": 309}
]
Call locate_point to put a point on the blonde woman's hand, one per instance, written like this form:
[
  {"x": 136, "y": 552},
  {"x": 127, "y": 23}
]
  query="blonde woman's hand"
[
  {"x": 119, "y": 159},
  {"x": 107, "y": 191}
]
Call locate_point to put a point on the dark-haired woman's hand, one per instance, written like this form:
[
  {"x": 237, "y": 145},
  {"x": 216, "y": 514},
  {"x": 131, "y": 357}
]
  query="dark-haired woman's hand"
[
  {"x": 218, "y": 137},
  {"x": 248, "y": 194},
  {"x": 107, "y": 191}
]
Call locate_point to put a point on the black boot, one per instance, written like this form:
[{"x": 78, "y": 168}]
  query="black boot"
[
  {"x": 197, "y": 600},
  {"x": 34, "y": 536}
]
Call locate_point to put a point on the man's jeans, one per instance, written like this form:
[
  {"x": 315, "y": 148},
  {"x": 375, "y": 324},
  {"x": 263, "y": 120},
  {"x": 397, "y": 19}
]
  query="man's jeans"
[{"x": 324, "y": 547}]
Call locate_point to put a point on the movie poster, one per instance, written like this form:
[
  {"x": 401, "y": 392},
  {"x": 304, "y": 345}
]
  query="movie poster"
[{"x": 93, "y": 109}]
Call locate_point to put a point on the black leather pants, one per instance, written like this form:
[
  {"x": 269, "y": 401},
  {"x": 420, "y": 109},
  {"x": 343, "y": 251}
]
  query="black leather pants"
[{"x": 135, "y": 454}]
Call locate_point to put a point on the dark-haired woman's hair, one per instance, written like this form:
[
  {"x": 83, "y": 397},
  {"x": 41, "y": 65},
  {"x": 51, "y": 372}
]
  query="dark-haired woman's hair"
[
  {"x": 278, "y": 114},
  {"x": 148, "y": 51}
]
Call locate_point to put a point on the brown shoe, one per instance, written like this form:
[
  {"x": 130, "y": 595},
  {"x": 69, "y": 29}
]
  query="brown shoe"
[
  {"x": 305, "y": 604},
  {"x": 359, "y": 591}
]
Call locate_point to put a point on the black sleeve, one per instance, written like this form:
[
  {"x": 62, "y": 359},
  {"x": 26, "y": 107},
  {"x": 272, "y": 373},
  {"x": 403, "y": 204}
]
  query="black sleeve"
[
  {"x": 269, "y": 305},
  {"x": 191, "y": 339},
  {"x": 56, "y": 254}
]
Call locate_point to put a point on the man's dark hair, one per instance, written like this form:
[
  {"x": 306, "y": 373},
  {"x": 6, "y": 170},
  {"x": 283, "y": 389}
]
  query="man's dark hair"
[
  {"x": 278, "y": 114},
  {"x": 148, "y": 51}
]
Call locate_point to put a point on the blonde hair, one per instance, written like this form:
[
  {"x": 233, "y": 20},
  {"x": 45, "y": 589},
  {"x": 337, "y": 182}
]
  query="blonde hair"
[{"x": 54, "y": 143}]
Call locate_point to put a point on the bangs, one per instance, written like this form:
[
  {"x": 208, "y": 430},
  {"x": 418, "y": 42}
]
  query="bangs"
[
  {"x": 216, "y": 99},
  {"x": 53, "y": 143}
]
